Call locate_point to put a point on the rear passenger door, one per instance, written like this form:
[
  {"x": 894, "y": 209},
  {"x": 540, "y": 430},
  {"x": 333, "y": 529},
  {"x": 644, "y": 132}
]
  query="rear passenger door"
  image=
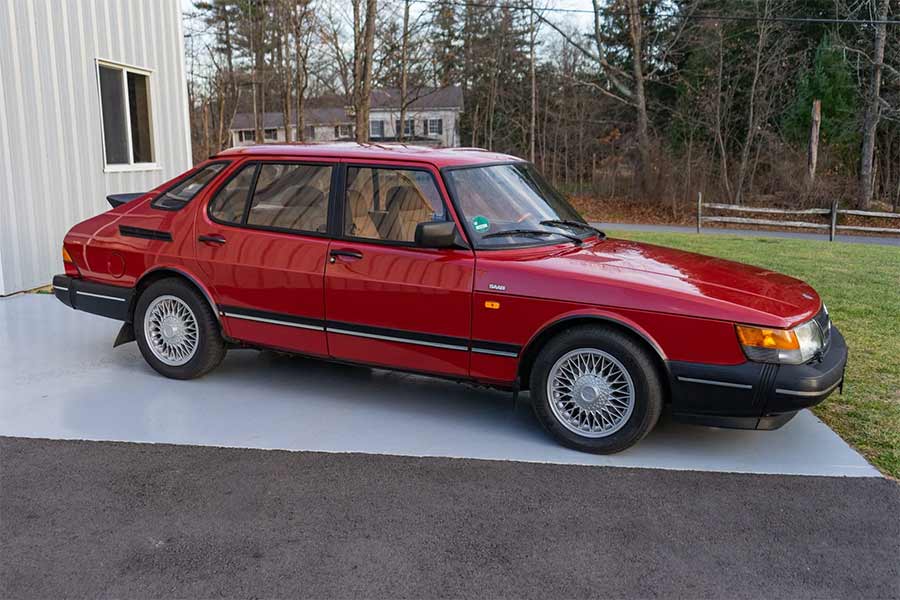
[
  {"x": 262, "y": 242},
  {"x": 388, "y": 301}
]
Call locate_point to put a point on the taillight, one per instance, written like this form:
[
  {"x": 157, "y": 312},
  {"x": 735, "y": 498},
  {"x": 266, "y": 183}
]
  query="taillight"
[{"x": 69, "y": 264}]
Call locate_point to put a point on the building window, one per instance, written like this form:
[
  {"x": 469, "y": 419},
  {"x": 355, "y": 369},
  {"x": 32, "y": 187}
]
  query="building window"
[
  {"x": 376, "y": 129},
  {"x": 434, "y": 126},
  {"x": 408, "y": 129},
  {"x": 246, "y": 135},
  {"x": 309, "y": 133},
  {"x": 125, "y": 115},
  {"x": 343, "y": 131},
  {"x": 270, "y": 134}
]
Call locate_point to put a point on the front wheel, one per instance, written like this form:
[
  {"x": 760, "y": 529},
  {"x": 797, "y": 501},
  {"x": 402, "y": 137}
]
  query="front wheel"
[
  {"x": 176, "y": 330},
  {"x": 596, "y": 389}
]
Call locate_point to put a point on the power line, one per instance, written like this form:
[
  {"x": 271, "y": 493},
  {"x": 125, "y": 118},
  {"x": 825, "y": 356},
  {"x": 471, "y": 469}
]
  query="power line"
[{"x": 704, "y": 17}]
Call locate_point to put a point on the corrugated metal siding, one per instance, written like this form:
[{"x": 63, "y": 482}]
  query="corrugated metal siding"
[{"x": 51, "y": 145}]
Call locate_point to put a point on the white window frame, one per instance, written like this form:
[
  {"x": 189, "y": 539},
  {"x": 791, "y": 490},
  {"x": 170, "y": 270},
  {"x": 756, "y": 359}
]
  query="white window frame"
[
  {"x": 428, "y": 123},
  {"x": 372, "y": 133},
  {"x": 148, "y": 73}
]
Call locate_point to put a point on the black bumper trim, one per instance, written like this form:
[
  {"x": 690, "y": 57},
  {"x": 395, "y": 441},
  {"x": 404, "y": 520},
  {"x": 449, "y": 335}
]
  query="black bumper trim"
[
  {"x": 754, "y": 395},
  {"x": 109, "y": 301}
]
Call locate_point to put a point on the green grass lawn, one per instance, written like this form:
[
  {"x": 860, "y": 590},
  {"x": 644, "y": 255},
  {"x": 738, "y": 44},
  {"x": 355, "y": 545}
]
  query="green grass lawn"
[{"x": 860, "y": 283}]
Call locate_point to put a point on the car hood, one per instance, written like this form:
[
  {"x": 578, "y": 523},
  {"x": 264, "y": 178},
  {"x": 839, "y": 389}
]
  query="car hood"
[{"x": 643, "y": 276}]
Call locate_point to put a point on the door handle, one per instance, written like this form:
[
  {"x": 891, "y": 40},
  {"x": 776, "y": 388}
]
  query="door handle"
[
  {"x": 212, "y": 239},
  {"x": 356, "y": 254}
]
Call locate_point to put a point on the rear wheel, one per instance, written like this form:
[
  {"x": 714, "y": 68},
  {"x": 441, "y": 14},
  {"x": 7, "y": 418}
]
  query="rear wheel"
[
  {"x": 596, "y": 389},
  {"x": 176, "y": 330}
]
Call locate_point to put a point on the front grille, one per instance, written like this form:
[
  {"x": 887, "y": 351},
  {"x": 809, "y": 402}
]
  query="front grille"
[{"x": 824, "y": 322}]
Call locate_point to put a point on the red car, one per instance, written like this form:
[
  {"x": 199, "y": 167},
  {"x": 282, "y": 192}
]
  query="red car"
[{"x": 458, "y": 263}]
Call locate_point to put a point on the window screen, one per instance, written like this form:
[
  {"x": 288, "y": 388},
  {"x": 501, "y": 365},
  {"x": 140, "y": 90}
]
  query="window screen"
[
  {"x": 291, "y": 196},
  {"x": 228, "y": 205},
  {"x": 139, "y": 108},
  {"x": 115, "y": 134},
  {"x": 388, "y": 204}
]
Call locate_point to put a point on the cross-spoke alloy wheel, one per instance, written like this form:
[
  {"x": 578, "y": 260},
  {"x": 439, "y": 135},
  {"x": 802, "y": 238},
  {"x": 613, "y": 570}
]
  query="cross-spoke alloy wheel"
[
  {"x": 171, "y": 330},
  {"x": 596, "y": 388},
  {"x": 591, "y": 393}
]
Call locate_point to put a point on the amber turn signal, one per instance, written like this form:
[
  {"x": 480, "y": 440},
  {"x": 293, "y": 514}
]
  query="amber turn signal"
[
  {"x": 67, "y": 258},
  {"x": 491, "y": 304},
  {"x": 776, "y": 339}
]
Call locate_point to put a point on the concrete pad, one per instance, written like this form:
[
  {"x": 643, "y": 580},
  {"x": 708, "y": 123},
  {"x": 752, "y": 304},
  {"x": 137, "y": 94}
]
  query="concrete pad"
[{"x": 60, "y": 378}]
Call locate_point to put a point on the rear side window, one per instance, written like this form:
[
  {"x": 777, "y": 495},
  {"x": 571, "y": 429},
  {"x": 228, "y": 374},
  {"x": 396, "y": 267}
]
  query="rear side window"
[
  {"x": 283, "y": 196},
  {"x": 185, "y": 191},
  {"x": 228, "y": 205},
  {"x": 291, "y": 196},
  {"x": 387, "y": 204}
]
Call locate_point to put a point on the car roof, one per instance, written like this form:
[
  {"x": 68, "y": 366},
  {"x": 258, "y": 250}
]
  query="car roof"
[{"x": 439, "y": 157}]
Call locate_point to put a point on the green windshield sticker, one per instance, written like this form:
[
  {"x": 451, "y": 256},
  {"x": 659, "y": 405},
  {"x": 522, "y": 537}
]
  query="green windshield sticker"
[{"x": 481, "y": 224}]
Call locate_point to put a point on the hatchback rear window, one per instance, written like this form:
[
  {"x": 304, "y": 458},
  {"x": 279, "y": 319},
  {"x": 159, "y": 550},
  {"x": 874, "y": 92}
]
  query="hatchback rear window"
[{"x": 176, "y": 197}]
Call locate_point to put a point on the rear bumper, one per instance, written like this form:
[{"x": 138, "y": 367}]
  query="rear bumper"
[
  {"x": 754, "y": 395},
  {"x": 101, "y": 299}
]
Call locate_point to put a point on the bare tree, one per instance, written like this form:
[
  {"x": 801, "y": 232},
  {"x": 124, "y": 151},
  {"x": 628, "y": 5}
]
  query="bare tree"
[
  {"x": 363, "y": 51},
  {"x": 873, "y": 112}
]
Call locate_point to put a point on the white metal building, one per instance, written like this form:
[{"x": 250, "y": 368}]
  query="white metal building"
[{"x": 93, "y": 101}]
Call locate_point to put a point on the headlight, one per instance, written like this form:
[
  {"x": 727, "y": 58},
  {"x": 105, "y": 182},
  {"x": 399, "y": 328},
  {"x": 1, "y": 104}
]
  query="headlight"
[{"x": 789, "y": 346}]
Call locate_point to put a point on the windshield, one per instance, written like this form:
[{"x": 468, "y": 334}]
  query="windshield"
[{"x": 499, "y": 198}]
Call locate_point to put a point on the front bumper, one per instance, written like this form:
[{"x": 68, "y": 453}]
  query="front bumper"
[
  {"x": 754, "y": 395},
  {"x": 97, "y": 298}
]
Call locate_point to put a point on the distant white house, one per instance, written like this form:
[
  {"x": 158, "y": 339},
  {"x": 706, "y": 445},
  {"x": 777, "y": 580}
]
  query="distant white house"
[
  {"x": 432, "y": 119},
  {"x": 93, "y": 101}
]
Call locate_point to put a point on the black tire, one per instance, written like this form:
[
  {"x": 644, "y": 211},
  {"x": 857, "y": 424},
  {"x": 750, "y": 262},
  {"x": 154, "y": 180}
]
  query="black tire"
[
  {"x": 210, "y": 348},
  {"x": 637, "y": 361}
]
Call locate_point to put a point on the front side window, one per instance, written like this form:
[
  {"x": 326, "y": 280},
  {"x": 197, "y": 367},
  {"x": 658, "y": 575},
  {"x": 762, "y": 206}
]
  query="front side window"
[
  {"x": 291, "y": 196},
  {"x": 388, "y": 204},
  {"x": 126, "y": 116},
  {"x": 496, "y": 203},
  {"x": 185, "y": 191}
]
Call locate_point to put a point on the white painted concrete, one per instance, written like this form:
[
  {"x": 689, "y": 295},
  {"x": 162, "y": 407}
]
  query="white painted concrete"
[{"x": 61, "y": 378}]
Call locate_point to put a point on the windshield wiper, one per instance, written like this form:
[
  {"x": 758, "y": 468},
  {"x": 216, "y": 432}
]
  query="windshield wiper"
[
  {"x": 574, "y": 225},
  {"x": 532, "y": 232}
]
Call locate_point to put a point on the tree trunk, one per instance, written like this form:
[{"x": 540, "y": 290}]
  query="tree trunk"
[
  {"x": 364, "y": 50},
  {"x": 533, "y": 123},
  {"x": 873, "y": 113},
  {"x": 404, "y": 68},
  {"x": 640, "y": 100},
  {"x": 813, "y": 155},
  {"x": 749, "y": 137}
]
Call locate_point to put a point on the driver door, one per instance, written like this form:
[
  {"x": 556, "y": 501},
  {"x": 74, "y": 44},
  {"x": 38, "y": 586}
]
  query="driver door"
[{"x": 387, "y": 301}]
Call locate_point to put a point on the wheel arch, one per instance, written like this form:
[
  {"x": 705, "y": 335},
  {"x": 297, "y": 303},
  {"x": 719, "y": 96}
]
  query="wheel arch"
[
  {"x": 552, "y": 329},
  {"x": 164, "y": 272}
]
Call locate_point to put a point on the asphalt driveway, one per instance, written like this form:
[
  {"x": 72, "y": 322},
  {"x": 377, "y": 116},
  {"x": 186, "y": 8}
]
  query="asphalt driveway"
[
  {"x": 63, "y": 380},
  {"x": 104, "y": 518}
]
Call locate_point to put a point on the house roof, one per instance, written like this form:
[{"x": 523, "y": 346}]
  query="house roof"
[
  {"x": 333, "y": 110},
  {"x": 439, "y": 157}
]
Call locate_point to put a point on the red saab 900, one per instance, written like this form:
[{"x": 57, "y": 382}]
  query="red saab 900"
[{"x": 458, "y": 263}]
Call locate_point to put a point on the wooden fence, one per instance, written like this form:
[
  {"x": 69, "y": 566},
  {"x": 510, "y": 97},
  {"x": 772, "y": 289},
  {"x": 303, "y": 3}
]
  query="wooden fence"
[{"x": 792, "y": 216}]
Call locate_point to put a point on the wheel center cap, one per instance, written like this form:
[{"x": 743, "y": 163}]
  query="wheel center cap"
[
  {"x": 170, "y": 328},
  {"x": 591, "y": 392}
]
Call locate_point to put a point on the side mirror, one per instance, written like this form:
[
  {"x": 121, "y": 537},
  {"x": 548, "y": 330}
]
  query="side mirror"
[{"x": 437, "y": 234}]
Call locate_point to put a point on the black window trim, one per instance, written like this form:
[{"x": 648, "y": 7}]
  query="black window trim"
[
  {"x": 339, "y": 233},
  {"x": 451, "y": 191},
  {"x": 257, "y": 165},
  {"x": 185, "y": 177}
]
